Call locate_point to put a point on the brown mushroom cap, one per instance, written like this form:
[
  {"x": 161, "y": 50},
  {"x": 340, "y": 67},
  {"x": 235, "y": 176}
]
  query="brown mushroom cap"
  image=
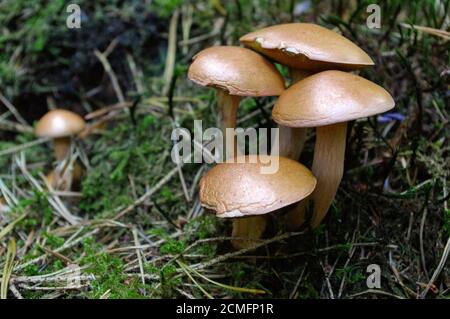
[
  {"x": 330, "y": 97},
  {"x": 240, "y": 189},
  {"x": 307, "y": 46},
  {"x": 59, "y": 123},
  {"x": 236, "y": 70}
]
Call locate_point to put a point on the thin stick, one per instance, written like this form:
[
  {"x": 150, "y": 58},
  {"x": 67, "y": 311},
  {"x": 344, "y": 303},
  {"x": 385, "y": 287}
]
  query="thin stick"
[
  {"x": 171, "y": 52},
  {"x": 13, "y": 110},
  {"x": 438, "y": 269},
  {"x": 245, "y": 250},
  {"x": 112, "y": 76},
  {"x": 23, "y": 146},
  {"x": 14, "y": 127}
]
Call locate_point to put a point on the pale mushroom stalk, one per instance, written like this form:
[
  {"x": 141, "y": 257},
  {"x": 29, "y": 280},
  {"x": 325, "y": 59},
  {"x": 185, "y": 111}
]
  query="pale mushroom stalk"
[
  {"x": 328, "y": 167},
  {"x": 292, "y": 139},
  {"x": 250, "y": 228},
  {"x": 228, "y": 106},
  {"x": 61, "y": 146}
]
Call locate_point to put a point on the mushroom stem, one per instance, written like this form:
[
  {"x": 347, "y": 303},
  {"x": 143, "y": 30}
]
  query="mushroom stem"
[
  {"x": 298, "y": 75},
  {"x": 61, "y": 145},
  {"x": 292, "y": 139},
  {"x": 328, "y": 168},
  {"x": 251, "y": 228},
  {"x": 228, "y": 106}
]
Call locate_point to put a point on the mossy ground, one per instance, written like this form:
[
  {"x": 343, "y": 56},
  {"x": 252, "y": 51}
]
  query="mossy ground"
[{"x": 391, "y": 209}]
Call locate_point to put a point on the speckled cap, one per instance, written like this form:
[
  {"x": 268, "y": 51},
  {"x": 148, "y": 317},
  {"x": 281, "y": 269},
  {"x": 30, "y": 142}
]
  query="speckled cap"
[
  {"x": 240, "y": 189},
  {"x": 307, "y": 46},
  {"x": 238, "y": 71},
  {"x": 59, "y": 123},
  {"x": 330, "y": 97}
]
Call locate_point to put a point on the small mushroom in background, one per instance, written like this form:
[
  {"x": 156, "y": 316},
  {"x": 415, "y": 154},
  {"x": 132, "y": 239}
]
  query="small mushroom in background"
[
  {"x": 240, "y": 191},
  {"x": 327, "y": 101},
  {"x": 60, "y": 125},
  {"x": 235, "y": 73},
  {"x": 306, "y": 49}
]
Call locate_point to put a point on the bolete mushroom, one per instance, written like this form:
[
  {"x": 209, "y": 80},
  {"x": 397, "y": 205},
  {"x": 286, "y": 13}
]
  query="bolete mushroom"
[
  {"x": 240, "y": 191},
  {"x": 60, "y": 125},
  {"x": 235, "y": 73},
  {"x": 306, "y": 49},
  {"x": 327, "y": 101}
]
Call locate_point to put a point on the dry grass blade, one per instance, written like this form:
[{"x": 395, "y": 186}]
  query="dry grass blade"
[
  {"x": 21, "y": 147},
  {"x": 102, "y": 57},
  {"x": 438, "y": 269},
  {"x": 13, "y": 110},
  {"x": 436, "y": 32},
  {"x": 7, "y": 270},
  {"x": 233, "y": 288},
  {"x": 10, "y": 226},
  {"x": 186, "y": 271},
  {"x": 171, "y": 52}
]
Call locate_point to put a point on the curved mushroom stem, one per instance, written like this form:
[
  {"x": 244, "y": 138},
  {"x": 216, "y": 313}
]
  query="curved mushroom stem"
[
  {"x": 228, "y": 106},
  {"x": 328, "y": 168},
  {"x": 251, "y": 228},
  {"x": 292, "y": 139},
  {"x": 61, "y": 145}
]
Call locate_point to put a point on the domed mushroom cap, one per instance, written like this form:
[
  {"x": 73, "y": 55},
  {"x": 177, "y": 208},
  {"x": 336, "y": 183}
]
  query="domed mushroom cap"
[
  {"x": 240, "y": 189},
  {"x": 237, "y": 70},
  {"x": 307, "y": 46},
  {"x": 59, "y": 123},
  {"x": 330, "y": 97}
]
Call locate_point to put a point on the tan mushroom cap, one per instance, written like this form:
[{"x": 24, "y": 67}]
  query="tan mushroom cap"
[
  {"x": 238, "y": 71},
  {"x": 240, "y": 189},
  {"x": 330, "y": 97},
  {"x": 307, "y": 46},
  {"x": 59, "y": 123}
]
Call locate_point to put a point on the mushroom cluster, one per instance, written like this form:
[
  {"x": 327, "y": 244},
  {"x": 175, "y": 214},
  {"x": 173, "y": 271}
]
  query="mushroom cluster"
[{"x": 322, "y": 95}]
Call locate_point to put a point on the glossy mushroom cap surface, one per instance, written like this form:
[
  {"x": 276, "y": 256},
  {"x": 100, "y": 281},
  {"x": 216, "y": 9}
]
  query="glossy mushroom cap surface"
[
  {"x": 240, "y": 189},
  {"x": 330, "y": 97},
  {"x": 238, "y": 71},
  {"x": 307, "y": 46},
  {"x": 59, "y": 123}
]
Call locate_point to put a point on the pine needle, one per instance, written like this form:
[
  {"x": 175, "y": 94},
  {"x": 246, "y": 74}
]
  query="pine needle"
[{"x": 10, "y": 255}]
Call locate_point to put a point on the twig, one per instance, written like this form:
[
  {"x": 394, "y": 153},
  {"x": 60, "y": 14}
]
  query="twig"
[
  {"x": 171, "y": 52},
  {"x": 438, "y": 269},
  {"x": 245, "y": 250},
  {"x": 138, "y": 253},
  {"x": 15, "y": 127},
  {"x": 149, "y": 193},
  {"x": 376, "y": 291},
  {"x": 297, "y": 284},
  {"x": 13, "y": 110},
  {"x": 112, "y": 76},
  {"x": 62, "y": 248},
  {"x": 23, "y": 146}
]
